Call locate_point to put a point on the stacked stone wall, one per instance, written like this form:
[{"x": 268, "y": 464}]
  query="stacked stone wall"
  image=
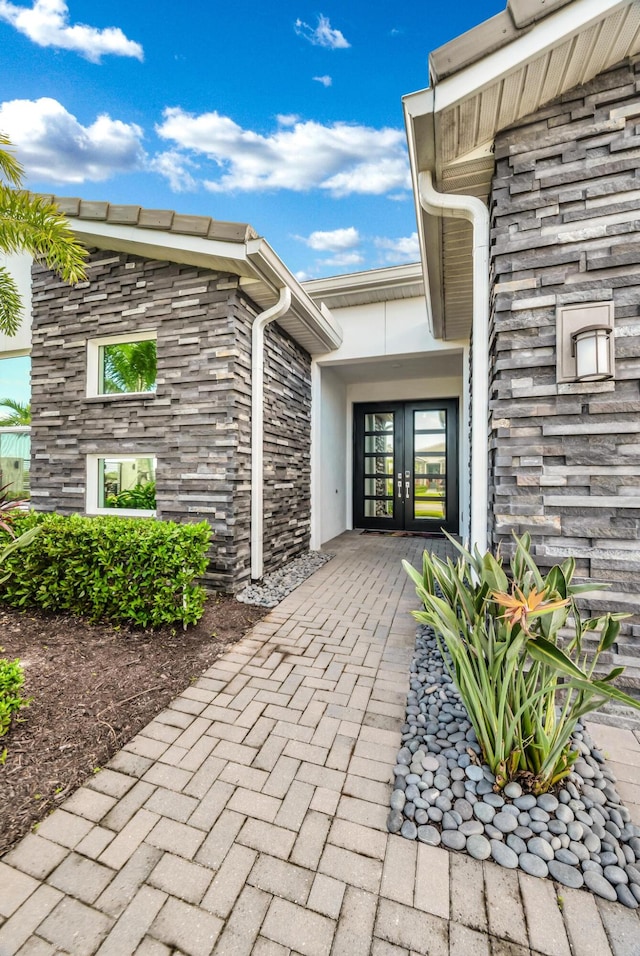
[
  {"x": 197, "y": 424},
  {"x": 287, "y": 446},
  {"x": 565, "y": 209}
]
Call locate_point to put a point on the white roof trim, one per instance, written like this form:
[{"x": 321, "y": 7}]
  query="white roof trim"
[
  {"x": 260, "y": 270},
  {"x": 544, "y": 35}
]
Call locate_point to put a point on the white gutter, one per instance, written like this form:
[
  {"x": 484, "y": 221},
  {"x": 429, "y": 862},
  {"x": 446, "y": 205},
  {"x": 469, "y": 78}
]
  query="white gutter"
[
  {"x": 474, "y": 211},
  {"x": 257, "y": 428}
]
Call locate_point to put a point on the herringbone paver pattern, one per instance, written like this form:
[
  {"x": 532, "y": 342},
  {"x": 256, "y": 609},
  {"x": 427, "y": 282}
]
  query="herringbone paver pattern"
[{"x": 249, "y": 816}]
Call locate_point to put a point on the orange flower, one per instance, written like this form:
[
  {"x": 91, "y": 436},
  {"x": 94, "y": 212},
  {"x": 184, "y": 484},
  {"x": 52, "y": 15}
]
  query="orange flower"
[{"x": 518, "y": 607}]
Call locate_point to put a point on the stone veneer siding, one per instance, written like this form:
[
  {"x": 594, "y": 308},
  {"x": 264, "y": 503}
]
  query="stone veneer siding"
[
  {"x": 287, "y": 449},
  {"x": 198, "y": 424},
  {"x": 565, "y": 211}
]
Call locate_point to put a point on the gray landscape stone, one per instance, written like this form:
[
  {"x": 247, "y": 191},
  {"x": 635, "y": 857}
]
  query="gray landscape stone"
[
  {"x": 599, "y": 885},
  {"x": 567, "y": 875},
  {"x": 503, "y": 854},
  {"x": 533, "y": 864},
  {"x": 478, "y": 847},
  {"x": 578, "y": 835}
]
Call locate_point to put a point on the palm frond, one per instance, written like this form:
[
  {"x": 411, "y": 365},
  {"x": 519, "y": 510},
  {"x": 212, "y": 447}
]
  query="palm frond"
[
  {"x": 10, "y": 168},
  {"x": 10, "y": 303},
  {"x": 32, "y": 224},
  {"x": 21, "y": 413}
]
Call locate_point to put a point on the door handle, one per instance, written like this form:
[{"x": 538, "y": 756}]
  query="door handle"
[
  {"x": 400, "y": 488},
  {"x": 407, "y": 487}
]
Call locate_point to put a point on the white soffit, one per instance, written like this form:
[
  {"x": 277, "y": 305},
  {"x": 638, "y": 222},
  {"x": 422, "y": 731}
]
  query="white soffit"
[
  {"x": 563, "y": 51},
  {"x": 451, "y": 126}
]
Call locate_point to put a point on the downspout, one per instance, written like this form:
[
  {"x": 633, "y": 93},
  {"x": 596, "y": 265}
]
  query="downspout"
[
  {"x": 257, "y": 427},
  {"x": 474, "y": 211}
]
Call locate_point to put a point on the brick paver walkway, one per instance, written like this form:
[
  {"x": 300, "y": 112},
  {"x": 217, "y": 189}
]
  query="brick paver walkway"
[{"x": 249, "y": 816}]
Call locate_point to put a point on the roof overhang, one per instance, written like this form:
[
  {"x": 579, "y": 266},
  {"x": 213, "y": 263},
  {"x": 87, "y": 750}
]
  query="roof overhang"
[
  {"x": 231, "y": 248},
  {"x": 483, "y": 82},
  {"x": 364, "y": 288}
]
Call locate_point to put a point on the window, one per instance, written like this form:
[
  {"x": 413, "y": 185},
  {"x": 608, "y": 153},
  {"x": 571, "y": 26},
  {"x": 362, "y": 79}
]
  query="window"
[
  {"x": 15, "y": 419},
  {"x": 121, "y": 484},
  {"x": 15, "y": 459},
  {"x": 122, "y": 365}
]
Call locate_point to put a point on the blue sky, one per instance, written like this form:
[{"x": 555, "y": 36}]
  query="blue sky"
[{"x": 287, "y": 116}]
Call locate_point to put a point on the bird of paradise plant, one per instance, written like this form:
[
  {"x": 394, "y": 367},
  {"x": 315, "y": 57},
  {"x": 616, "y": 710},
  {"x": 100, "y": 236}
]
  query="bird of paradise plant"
[{"x": 523, "y": 691}]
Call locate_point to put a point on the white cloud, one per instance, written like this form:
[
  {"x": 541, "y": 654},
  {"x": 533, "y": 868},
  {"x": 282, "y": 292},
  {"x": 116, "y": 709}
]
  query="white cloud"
[
  {"x": 174, "y": 166},
  {"x": 339, "y": 158},
  {"x": 53, "y": 145},
  {"x": 322, "y": 35},
  {"x": 47, "y": 24},
  {"x": 287, "y": 119},
  {"x": 405, "y": 249},
  {"x": 344, "y": 259},
  {"x": 325, "y": 80},
  {"x": 334, "y": 240}
]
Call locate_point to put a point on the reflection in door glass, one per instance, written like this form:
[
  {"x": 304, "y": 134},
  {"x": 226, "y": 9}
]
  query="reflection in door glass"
[
  {"x": 379, "y": 508},
  {"x": 380, "y": 487},
  {"x": 431, "y": 421},
  {"x": 382, "y": 444},
  {"x": 379, "y": 422},
  {"x": 429, "y": 508},
  {"x": 379, "y": 465},
  {"x": 430, "y": 443},
  {"x": 430, "y": 465},
  {"x": 430, "y": 498}
]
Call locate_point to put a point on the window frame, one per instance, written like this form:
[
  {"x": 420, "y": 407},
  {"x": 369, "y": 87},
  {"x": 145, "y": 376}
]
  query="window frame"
[
  {"x": 94, "y": 346},
  {"x": 93, "y": 484}
]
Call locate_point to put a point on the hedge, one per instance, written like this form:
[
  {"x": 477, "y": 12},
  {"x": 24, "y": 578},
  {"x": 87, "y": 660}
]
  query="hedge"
[{"x": 124, "y": 570}]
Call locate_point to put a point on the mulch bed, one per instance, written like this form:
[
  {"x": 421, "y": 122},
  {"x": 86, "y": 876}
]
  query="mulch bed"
[{"x": 93, "y": 688}]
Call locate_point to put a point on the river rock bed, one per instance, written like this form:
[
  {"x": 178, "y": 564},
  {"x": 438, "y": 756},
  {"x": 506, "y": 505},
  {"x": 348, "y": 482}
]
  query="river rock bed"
[
  {"x": 276, "y": 585},
  {"x": 581, "y": 835}
]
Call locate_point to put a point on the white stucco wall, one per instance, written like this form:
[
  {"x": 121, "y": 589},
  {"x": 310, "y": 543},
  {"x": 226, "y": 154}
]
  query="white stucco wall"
[
  {"x": 20, "y": 268},
  {"x": 387, "y": 354},
  {"x": 398, "y": 327},
  {"x": 334, "y": 440}
]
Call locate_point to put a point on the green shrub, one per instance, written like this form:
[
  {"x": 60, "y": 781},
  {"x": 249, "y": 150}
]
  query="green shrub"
[
  {"x": 523, "y": 692},
  {"x": 123, "y": 570},
  {"x": 11, "y": 682}
]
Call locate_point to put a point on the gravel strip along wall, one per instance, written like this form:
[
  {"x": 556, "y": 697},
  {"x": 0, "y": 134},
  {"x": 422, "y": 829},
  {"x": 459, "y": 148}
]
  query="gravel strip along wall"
[
  {"x": 276, "y": 585},
  {"x": 443, "y": 795}
]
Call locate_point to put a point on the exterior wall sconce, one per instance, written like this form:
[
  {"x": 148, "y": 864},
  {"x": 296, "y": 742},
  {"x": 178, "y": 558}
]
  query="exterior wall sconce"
[
  {"x": 585, "y": 342},
  {"x": 591, "y": 351}
]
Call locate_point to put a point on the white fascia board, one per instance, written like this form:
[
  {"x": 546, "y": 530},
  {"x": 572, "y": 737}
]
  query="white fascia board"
[
  {"x": 544, "y": 35},
  {"x": 416, "y": 105},
  {"x": 318, "y": 320},
  {"x": 383, "y": 278},
  {"x": 161, "y": 244}
]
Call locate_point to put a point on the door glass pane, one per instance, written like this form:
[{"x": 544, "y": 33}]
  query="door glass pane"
[
  {"x": 379, "y": 509},
  {"x": 430, "y": 465},
  {"x": 379, "y": 422},
  {"x": 382, "y": 487},
  {"x": 433, "y": 421},
  {"x": 378, "y": 466},
  {"x": 382, "y": 444},
  {"x": 430, "y": 443},
  {"x": 429, "y": 508},
  {"x": 429, "y": 488}
]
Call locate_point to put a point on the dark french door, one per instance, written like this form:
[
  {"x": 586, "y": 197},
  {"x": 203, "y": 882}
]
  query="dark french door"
[{"x": 406, "y": 466}]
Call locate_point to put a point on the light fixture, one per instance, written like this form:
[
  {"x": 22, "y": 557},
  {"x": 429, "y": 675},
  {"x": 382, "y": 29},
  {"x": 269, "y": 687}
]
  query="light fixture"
[
  {"x": 585, "y": 350},
  {"x": 590, "y": 348}
]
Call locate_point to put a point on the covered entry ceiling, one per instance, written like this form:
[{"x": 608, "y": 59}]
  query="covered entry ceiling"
[{"x": 400, "y": 368}]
